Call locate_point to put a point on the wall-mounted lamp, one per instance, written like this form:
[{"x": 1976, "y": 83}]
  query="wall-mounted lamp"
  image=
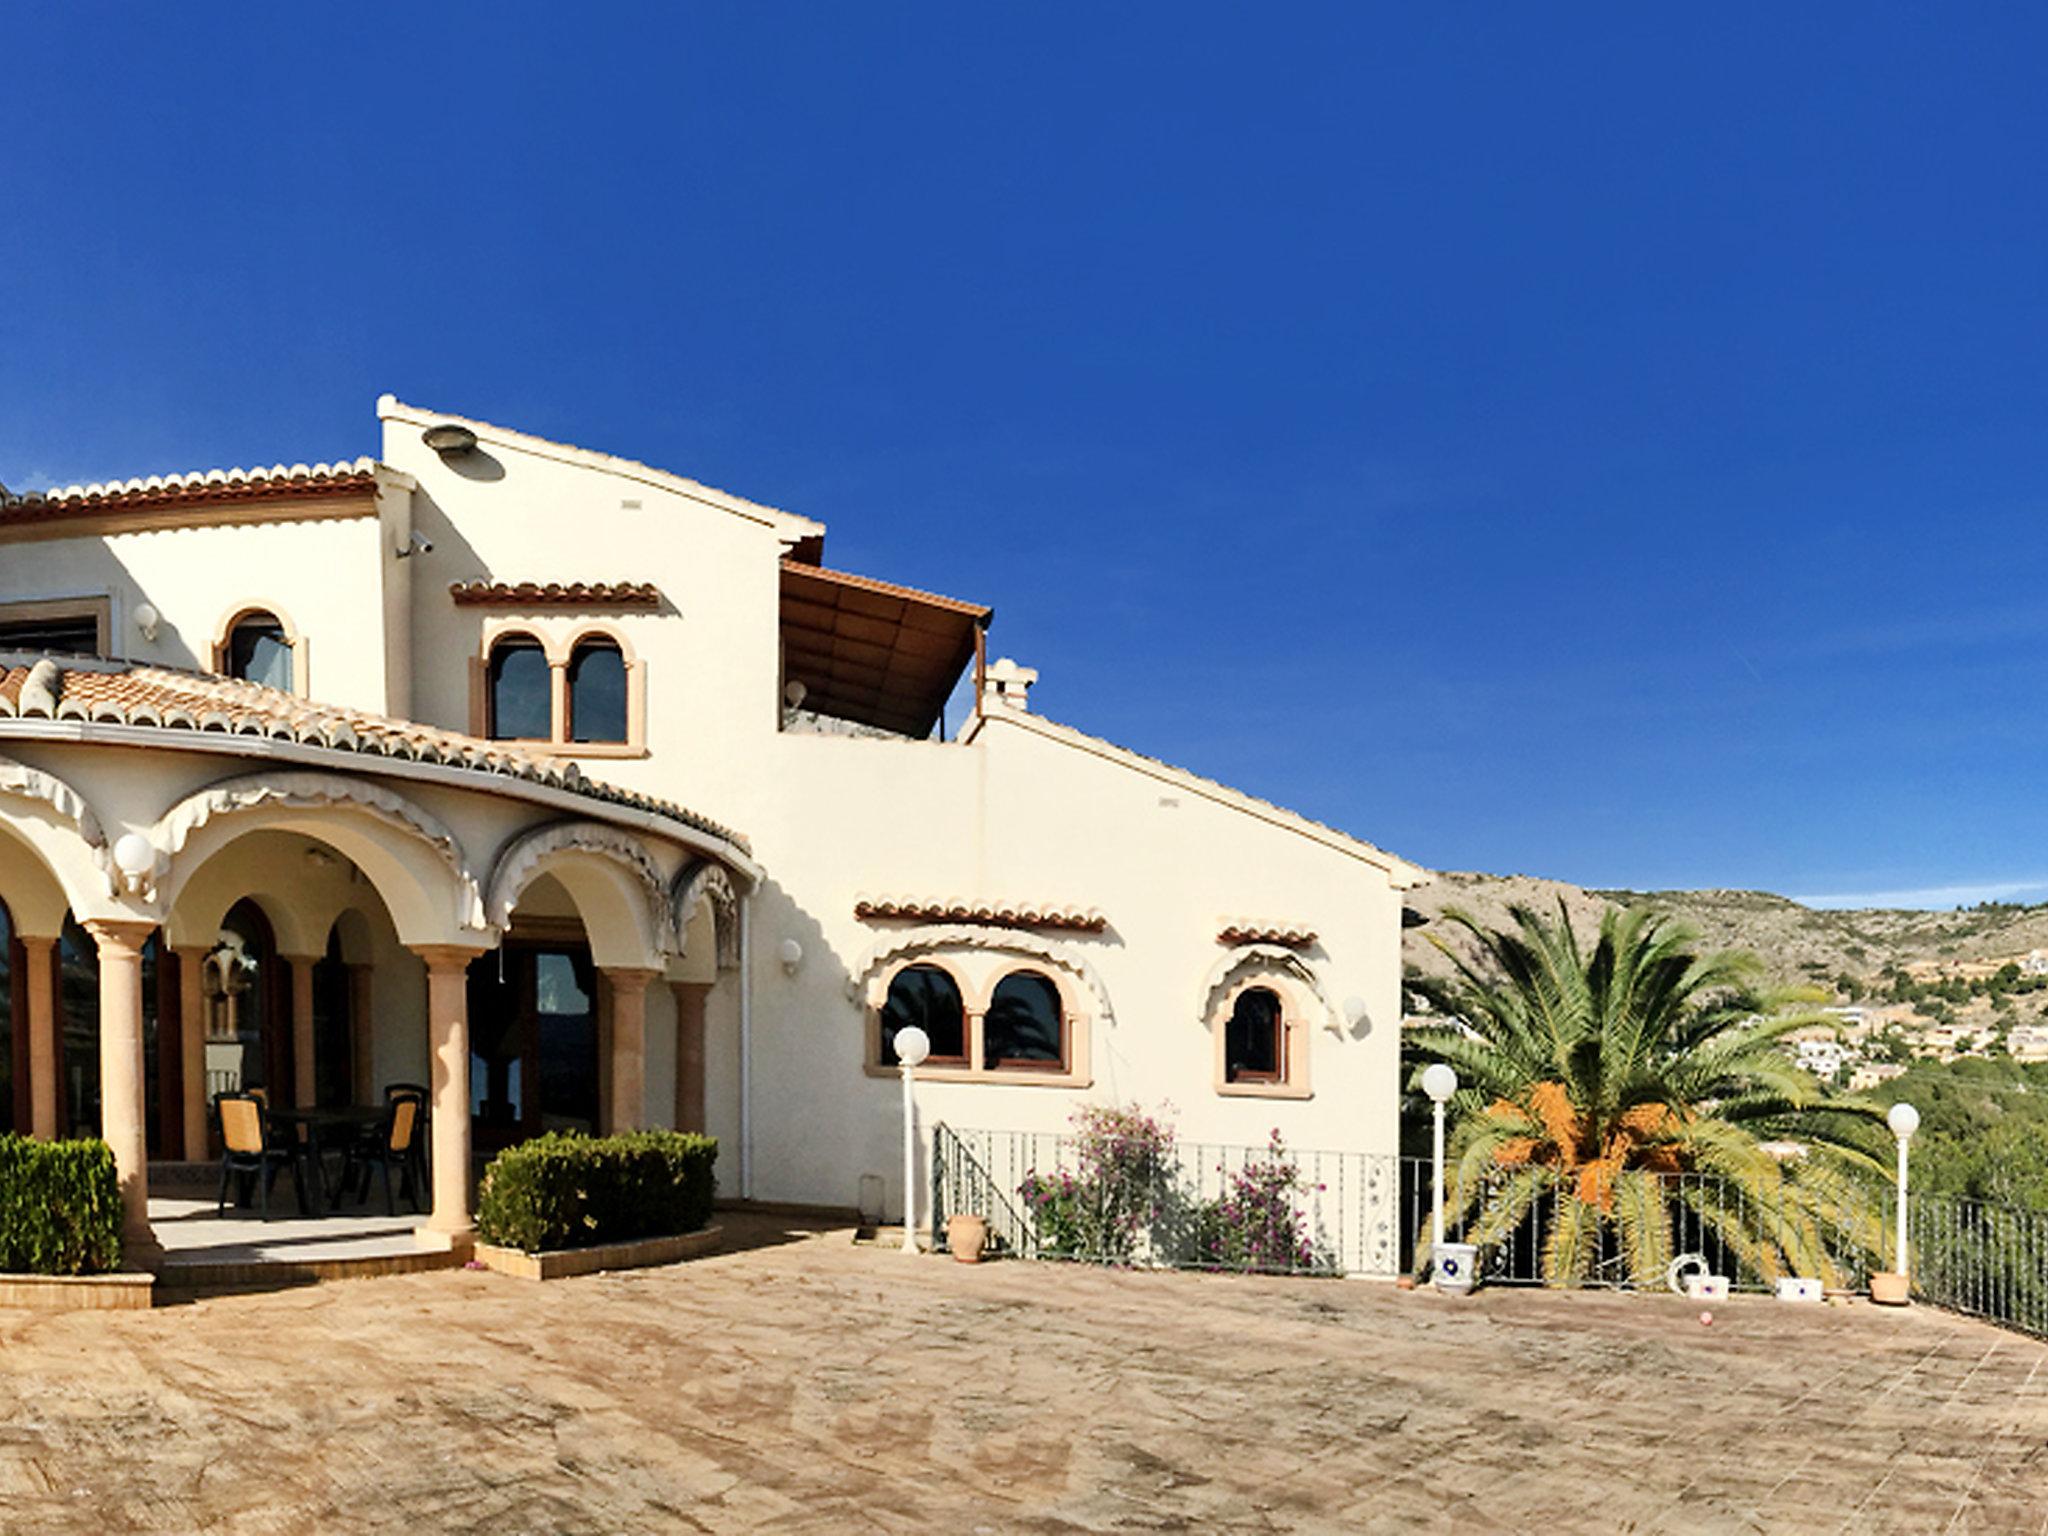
[
  {"x": 135, "y": 861},
  {"x": 147, "y": 619},
  {"x": 1355, "y": 1014},
  {"x": 792, "y": 954},
  {"x": 448, "y": 438},
  {"x": 416, "y": 543}
]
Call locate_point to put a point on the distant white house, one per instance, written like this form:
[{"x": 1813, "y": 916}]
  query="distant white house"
[{"x": 1823, "y": 1057}]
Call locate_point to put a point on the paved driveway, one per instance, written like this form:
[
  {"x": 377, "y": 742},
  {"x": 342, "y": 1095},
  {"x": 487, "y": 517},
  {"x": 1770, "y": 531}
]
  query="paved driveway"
[{"x": 809, "y": 1385}]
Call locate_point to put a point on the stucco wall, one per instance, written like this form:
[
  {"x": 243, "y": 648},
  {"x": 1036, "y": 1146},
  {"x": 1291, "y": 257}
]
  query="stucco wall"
[{"x": 323, "y": 578}]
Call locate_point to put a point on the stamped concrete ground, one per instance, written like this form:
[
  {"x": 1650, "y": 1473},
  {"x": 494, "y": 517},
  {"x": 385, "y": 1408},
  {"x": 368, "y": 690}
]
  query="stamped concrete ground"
[{"x": 805, "y": 1384}]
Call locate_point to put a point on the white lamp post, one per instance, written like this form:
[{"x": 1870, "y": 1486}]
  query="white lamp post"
[
  {"x": 1439, "y": 1081},
  {"x": 1904, "y": 1120},
  {"x": 912, "y": 1046}
]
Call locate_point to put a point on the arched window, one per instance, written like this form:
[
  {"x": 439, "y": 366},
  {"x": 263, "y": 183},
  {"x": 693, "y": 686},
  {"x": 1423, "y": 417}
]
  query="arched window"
[
  {"x": 597, "y": 691},
  {"x": 521, "y": 691},
  {"x": 1254, "y": 1047},
  {"x": 1025, "y": 1026},
  {"x": 928, "y": 997},
  {"x": 258, "y": 650}
]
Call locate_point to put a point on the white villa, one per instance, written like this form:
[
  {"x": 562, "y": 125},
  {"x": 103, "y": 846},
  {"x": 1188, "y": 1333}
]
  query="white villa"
[{"x": 592, "y": 797}]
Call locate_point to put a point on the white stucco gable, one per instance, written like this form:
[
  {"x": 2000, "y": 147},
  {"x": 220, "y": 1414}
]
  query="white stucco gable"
[{"x": 1400, "y": 873}]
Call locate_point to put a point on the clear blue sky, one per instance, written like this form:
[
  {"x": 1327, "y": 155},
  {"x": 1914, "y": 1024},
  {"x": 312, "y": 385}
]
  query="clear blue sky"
[{"x": 1592, "y": 442}]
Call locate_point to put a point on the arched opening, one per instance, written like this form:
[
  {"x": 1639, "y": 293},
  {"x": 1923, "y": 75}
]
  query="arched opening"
[
  {"x": 248, "y": 1007},
  {"x": 13, "y": 1029},
  {"x": 534, "y": 1025},
  {"x": 928, "y": 997},
  {"x": 258, "y": 649},
  {"x": 521, "y": 691},
  {"x": 597, "y": 691}
]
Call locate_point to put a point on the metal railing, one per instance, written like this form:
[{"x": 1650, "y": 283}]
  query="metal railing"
[
  {"x": 1209, "y": 1206},
  {"x": 1989, "y": 1261},
  {"x": 1199, "y": 1206}
]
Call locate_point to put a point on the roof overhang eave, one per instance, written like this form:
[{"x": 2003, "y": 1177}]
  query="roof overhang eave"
[{"x": 337, "y": 760}]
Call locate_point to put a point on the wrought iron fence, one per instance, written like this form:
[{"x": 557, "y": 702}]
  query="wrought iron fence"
[
  {"x": 1990, "y": 1261},
  {"x": 1203, "y": 1205},
  {"x": 1198, "y": 1205}
]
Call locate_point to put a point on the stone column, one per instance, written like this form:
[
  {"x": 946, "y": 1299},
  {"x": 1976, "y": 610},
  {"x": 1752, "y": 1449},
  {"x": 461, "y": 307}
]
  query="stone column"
[
  {"x": 690, "y": 999},
  {"x": 303, "y": 1078},
  {"x": 192, "y": 1020},
  {"x": 448, "y": 1044},
  {"x": 362, "y": 1025},
  {"x": 40, "y": 959},
  {"x": 121, "y": 1079},
  {"x": 629, "y": 1046}
]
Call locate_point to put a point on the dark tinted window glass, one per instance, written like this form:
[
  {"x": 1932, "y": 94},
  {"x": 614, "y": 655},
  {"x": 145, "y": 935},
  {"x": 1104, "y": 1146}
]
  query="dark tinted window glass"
[
  {"x": 1251, "y": 1043},
  {"x": 259, "y": 653},
  {"x": 7, "y": 1020},
  {"x": 597, "y": 692},
  {"x": 78, "y": 991},
  {"x": 58, "y": 637},
  {"x": 1023, "y": 1024},
  {"x": 521, "y": 706},
  {"x": 925, "y": 996}
]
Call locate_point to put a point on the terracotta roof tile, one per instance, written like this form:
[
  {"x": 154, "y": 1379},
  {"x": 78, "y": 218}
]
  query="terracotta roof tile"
[
  {"x": 69, "y": 688},
  {"x": 555, "y": 594},
  {"x": 952, "y": 909},
  {"x": 278, "y": 482},
  {"x": 1243, "y": 930}
]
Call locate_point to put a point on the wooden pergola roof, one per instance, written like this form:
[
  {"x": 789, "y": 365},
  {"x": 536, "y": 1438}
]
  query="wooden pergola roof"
[{"x": 871, "y": 651}]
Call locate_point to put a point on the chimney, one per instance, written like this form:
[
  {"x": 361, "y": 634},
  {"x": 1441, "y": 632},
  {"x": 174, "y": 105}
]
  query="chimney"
[{"x": 1009, "y": 685}]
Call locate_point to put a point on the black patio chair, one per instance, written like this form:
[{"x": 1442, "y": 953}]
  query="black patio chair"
[
  {"x": 247, "y": 1149},
  {"x": 395, "y": 1144}
]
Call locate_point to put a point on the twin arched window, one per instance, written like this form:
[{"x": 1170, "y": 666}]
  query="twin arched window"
[
  {"x": 520, "y": 689},
  {"x": 1023, "y": 1029}
]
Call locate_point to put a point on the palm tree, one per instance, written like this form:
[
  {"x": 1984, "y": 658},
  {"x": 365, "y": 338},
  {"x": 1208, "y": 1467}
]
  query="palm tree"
[{"x": 1611, "y": 1100}]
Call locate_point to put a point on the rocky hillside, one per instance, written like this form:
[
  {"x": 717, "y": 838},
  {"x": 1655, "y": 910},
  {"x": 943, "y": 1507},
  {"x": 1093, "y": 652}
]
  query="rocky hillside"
[{"x": 1796, "y": 944}]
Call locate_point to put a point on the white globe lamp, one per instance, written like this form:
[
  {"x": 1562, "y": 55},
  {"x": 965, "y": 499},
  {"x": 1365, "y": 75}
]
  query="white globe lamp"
[{"x": 913, "y": 1045}]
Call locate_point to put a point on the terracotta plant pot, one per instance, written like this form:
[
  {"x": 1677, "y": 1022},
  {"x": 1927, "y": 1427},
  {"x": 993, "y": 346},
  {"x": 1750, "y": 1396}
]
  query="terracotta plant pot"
[
  {"x": 967, "y": 1236},
  {"x": 1889, "y": 1288}
]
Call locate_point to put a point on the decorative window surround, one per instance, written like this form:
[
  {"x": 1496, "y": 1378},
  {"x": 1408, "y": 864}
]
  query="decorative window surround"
[
  {"x": 559, "y": 646},
  {"x": 977, "y": 972}
]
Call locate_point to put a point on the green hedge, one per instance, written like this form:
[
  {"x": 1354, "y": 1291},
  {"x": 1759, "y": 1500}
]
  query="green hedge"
[
  {"x": 571, "y": 1191},
  {"x": 60, "y": 1207}
]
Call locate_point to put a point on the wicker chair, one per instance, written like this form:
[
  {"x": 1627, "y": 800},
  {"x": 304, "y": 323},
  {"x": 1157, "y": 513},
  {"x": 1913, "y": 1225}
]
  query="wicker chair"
[{"x": 246, "y": 1148}]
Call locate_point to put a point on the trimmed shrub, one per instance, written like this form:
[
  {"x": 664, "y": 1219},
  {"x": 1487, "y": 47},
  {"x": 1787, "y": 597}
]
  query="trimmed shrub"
[
  {"x": 60, "y": 1207},
  {"x": 565, "y": 1190}
]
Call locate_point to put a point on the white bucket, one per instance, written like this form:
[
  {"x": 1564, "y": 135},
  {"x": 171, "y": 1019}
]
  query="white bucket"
[{"x": 1451, "y": 1267}]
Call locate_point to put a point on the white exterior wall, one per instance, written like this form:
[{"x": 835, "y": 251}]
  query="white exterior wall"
[
  {"x": 323, "y": 578},
  {"x": 1009, "y": 815}
]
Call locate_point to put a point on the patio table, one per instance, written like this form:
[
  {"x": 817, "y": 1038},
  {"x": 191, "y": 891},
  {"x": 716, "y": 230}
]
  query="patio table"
[{"x": 347, "y": 1119}]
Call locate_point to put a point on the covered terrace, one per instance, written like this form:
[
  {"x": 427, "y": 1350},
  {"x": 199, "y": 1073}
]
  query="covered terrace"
[{"x": 208, "y": 886}]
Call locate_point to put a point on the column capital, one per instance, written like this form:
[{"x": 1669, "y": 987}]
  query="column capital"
[
  {"x": 298, "y": 959},
  {"x": 446, "y": 957},
  {"x": 36, "y": 943},
  {"x": 123, "y": 935},
  {"x": 193, "y": 952},
  {"x": 628, "y": 974}
]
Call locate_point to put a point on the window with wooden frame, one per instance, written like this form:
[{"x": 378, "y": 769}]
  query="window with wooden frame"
[
  {"x": 1025, "y": 1027},
  {"x": 929, "y": 998},
  {"x": 580, "y": 694},
  {"x": 519, "y": 690},
  {"x": 59, "y": 627},
  {"x": 597, "y": 692},
  {"x": 1262, "y": 1038},
  {"x": 1255, "y": 1038}
]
